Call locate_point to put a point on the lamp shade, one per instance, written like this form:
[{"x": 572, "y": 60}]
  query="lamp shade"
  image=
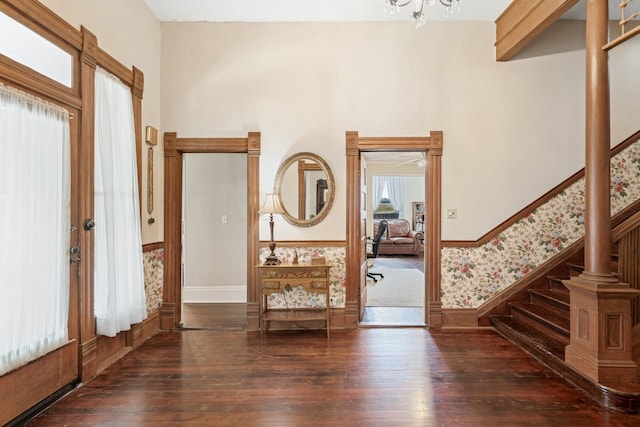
[{"x": 272, "y": 205}]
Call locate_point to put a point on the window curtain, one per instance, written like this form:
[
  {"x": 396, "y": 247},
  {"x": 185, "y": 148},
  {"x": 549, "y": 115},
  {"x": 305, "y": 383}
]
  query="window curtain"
[
  {"x": 120, "y": 299},
  {"x": 392, "y": 187},
  {"x": 396, "y": 187},
  {"x": 378, "y": 189},
  {"x": 34, "y": 227}
]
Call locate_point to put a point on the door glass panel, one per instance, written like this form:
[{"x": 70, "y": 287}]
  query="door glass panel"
[
  {"x": 34, "y": 51},
  {"x": 34, "y": 225}
]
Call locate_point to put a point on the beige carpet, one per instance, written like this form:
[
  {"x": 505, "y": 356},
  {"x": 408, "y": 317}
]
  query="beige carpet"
[{"x": 401, "y": 287}]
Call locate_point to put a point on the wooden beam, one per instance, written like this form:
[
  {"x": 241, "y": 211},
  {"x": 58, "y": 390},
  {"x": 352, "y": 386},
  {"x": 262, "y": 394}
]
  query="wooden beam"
[{"x": 523, "y": 21}]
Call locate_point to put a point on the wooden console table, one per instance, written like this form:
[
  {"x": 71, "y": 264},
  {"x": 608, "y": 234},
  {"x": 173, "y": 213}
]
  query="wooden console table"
[{"x": 281, "y": 279}]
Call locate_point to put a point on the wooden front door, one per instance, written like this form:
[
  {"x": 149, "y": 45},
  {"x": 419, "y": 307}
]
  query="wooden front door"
[
  {"x": 28, "y": 385},
  {"x": 363, "y": 240}
]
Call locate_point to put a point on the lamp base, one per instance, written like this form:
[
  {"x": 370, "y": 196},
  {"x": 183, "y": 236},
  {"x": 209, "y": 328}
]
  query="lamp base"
[{"x": 271, "y": 260}]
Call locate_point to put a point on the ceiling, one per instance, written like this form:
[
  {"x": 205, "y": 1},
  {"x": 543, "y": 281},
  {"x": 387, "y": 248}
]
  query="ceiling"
[
  {"x": 312, "y": 11},
  {"x": 309, "y": 10},
  {"x": 328, "y": 11}
]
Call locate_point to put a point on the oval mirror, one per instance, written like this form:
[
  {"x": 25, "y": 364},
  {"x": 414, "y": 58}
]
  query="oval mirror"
[{"x": 306, "y": 187}]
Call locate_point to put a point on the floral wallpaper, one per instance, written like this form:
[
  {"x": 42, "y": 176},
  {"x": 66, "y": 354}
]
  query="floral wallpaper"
[
  {"x": 299, "y": 297},
  {"x": 472, "y": 276},
  {"x": 153, "y": 262}
]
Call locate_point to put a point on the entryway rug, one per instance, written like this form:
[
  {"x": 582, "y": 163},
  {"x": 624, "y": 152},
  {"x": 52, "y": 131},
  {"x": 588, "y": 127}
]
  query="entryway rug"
[{"x": 401, "y": 287}]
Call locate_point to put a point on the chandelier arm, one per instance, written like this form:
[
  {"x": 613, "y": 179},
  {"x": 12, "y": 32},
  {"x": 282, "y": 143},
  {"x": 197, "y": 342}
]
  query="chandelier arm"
[
  {"x": 418, "y": 13},
  {"x": 418, "y": 16}
]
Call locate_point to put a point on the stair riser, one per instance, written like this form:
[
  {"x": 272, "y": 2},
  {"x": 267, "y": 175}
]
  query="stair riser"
[
  {"x": 616, "y": 400},
  {"x": 544, "y": 328},
  {"x": 558, "y": 307},
  {"x": 556, "y": 284}
]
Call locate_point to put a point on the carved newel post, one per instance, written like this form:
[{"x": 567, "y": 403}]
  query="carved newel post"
[{"x": 600, "y": 346}]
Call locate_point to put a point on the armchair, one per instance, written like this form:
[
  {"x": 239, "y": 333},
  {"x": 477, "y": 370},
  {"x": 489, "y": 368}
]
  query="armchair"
[{"x": 400, "y": 239}]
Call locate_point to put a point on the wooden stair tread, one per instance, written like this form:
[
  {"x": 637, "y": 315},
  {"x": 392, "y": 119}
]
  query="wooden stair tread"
[
  {"x": 550, "y": 352},
  {"x": 577, "y": 269},
  {"x": 541, "y": 327},
  {"x": 557, "y": 298},
  {"x": 544, "y": 316},
  {"x": 556, "y": 282},
  {"x": 529, "y": 337}
]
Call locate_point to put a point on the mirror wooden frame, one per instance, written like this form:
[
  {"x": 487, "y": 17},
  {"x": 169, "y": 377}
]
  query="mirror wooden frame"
[{"x": 299, "y": 160}]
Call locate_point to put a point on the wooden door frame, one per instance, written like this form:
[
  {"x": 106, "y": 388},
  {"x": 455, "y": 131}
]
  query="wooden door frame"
[
  {"x": 355, "y": 259},
  {"x": 174, "y": 148},
  {"x": 77, "y": 360}
]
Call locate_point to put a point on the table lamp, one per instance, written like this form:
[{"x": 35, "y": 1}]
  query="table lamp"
[{"x": 272, "y": 206}]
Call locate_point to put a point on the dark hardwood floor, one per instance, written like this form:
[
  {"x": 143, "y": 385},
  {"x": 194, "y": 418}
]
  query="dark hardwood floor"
[
  {"x": 364, "y": 377},
  {"x": 229, "y": 317},
  {"x": 218, "y": 317}
]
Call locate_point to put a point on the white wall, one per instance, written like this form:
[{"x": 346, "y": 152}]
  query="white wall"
[
  {"x": 512, "y": 130},
  {"x": 215, "y": 186},
  {"x": 624, "y": 66},
  {"x": 128, "y": 31}
]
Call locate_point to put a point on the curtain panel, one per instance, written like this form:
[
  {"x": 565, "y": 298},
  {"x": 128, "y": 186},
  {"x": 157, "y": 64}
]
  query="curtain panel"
[
  {"x": 34, "y": 227},
  {"x": 391, "y": 187},
  {"x": 120, "y": 299}
]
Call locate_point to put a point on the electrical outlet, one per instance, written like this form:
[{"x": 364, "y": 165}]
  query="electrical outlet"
[{"x": 452, "y": 213}]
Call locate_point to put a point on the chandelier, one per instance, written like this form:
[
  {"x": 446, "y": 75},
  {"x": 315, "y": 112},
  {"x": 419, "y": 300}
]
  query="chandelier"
[{"x": 418, "y": 15}]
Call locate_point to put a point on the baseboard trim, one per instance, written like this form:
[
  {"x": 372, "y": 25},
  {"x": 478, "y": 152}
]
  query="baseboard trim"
[
  {"x": 454, "y": 318},
  {"x": 215, "y": 294}
]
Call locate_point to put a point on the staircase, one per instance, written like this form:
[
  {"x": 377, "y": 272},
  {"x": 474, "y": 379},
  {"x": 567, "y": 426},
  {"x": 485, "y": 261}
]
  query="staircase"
[{"x": 541, "y": 327}]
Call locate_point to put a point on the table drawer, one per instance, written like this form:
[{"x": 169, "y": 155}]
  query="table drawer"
[
  {"x": 272, "y": 285},
  {"x": 280, "y": 285},
  {"x": 297, "y": 273},
  {"x": 309, "y": 284}
]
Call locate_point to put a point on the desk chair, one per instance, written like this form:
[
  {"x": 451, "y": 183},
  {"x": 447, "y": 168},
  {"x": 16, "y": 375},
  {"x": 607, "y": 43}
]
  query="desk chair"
[{"x": 375, "y": 245}]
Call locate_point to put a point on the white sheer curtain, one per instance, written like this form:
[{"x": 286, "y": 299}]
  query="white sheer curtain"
[
  {"x": 396, "y": 187},
  {"x": 34, "y": 228},
  {"x": 378, "y": 189},
  {"x": 120, "y": 299},
  {"x": 392, "y": 187}
]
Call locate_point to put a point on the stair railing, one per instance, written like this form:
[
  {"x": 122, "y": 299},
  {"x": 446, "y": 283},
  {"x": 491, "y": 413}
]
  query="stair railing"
[
  {"x": 627, "y": 238},
  {"x": 624, "y": 21}
]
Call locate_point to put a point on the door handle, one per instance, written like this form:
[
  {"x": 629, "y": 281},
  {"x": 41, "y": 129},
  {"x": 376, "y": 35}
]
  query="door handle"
[{"x": 89, "y": 224}]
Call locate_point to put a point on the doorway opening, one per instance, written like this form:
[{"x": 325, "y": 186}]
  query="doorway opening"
[
  {"x": 430, "y": 148},
  {"x": 214, "y": 244},
  {"x": 395, "y": 186},
  {"x": 174, "y": 150}
]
